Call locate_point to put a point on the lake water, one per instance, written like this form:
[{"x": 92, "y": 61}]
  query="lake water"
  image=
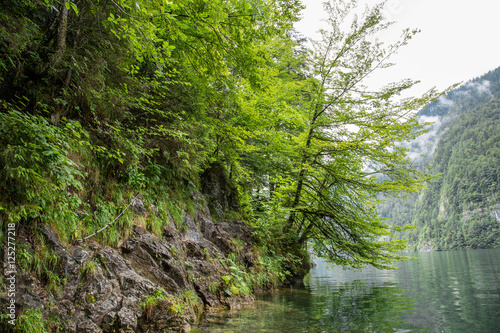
[{"x": 456, "y": 291}]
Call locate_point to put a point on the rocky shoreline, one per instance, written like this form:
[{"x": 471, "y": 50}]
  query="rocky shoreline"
[{"x": 148, "y": 283}]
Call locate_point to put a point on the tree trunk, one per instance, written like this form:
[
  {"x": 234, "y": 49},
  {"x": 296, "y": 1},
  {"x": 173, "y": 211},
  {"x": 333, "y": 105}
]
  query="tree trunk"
[
  {"x": 62, "y": 30},
  {"x": 302, "y": 174}
]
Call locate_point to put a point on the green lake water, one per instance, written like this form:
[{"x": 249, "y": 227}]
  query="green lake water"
[{"x": 456, "y": 291}]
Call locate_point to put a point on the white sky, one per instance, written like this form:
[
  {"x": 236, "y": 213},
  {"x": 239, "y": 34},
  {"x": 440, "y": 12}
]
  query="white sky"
[{"x": 459, "y": 39}]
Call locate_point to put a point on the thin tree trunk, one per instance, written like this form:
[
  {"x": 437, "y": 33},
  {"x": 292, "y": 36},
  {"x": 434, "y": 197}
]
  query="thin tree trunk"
[{"x": 62, "y": 30}]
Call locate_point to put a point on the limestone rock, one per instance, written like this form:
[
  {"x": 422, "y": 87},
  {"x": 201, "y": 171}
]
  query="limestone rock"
[{"x": 106, "y": 288}]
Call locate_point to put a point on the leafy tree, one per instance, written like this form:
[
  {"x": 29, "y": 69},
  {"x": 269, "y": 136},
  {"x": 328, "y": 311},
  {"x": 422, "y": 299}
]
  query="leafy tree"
[
  {"x": 157, "y": 87},
  {"x": 350, "y": 140}
]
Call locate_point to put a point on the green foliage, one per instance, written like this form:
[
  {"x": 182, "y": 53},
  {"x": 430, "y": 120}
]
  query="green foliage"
[
  {"x": 101, "y": 99},
  {"x": 39, "y": 180},
  {"x": 151, "y": 301},
  {"x": 236, "y": 282},
  {"x": 89, "y": 298},
  {"x": 54, "y": 282},
  {"x": 347, "y": 139},
  {"x": 24, "y": 257},
  {"x": 31, "y": 321},
  {"x": 226, "y": 278},
  {"x": 191, "y": 299},
  {"x": 154, "y": 224},
  {"x": 214, "y": 287},
  {"x": 43, "y": 262},
  {"x": 176, "y": 305},
  {"x": 89, "y": 269}
]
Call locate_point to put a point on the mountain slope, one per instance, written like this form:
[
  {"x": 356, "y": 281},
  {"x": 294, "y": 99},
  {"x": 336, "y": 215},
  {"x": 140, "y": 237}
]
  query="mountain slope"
[{"x": 461, "y": 208}]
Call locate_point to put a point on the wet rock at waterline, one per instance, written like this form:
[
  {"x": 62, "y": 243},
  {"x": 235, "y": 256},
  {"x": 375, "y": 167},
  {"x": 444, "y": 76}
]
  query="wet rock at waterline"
[{"x": 140, "y": 286}]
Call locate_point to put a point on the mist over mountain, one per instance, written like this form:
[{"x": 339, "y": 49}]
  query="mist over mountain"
[
  {"x": 447, "y": 108},
  {"x": 459, "y": 209}
]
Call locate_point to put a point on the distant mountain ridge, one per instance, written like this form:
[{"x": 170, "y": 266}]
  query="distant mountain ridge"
[{"x": 461, "y": 208}]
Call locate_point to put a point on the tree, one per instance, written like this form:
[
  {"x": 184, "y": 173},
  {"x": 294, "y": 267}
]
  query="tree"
[
  {"x": 157, "y": 86},
  {"x": 349, "y": 151}
]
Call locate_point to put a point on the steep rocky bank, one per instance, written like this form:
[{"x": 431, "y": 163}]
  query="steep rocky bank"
[{"x": 147, "y": 284}]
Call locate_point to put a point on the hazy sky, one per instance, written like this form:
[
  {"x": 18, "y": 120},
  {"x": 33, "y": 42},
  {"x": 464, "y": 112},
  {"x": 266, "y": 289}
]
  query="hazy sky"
[{"x": 459, "y": 39}]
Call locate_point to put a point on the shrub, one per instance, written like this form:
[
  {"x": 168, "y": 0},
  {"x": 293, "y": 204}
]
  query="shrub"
[{"x": 39, "y": 179}]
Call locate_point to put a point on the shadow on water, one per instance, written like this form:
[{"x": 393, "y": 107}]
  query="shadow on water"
[{"x": 440, "y": 292}]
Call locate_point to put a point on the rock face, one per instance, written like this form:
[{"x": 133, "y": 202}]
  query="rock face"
[
  {"x": 148, "y": 284},
  {"x": 220, "y": 194}
]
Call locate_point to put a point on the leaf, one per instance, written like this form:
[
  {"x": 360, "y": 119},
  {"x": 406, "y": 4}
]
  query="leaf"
[{"x": 75, "y": 9}]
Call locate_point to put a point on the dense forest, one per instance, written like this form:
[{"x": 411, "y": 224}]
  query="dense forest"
[
  {"x": 460, "y": 207},
  {"x": 101, "y": 99}
]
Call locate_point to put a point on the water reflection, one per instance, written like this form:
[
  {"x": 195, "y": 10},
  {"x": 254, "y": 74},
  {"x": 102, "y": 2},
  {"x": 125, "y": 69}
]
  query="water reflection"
[
  {"x": 362, "y": 307},
  {"x": 440, "y": 292},
  {"x": 353, "y": 307},
  {"x": 366, "y": 300}
]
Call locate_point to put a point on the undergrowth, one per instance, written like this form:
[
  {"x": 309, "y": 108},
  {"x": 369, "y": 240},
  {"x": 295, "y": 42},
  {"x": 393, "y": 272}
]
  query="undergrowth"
[{"x": 31, "y": 321}]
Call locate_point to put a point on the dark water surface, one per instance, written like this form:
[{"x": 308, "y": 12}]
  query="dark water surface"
[{"x": 456, "y": 291}]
